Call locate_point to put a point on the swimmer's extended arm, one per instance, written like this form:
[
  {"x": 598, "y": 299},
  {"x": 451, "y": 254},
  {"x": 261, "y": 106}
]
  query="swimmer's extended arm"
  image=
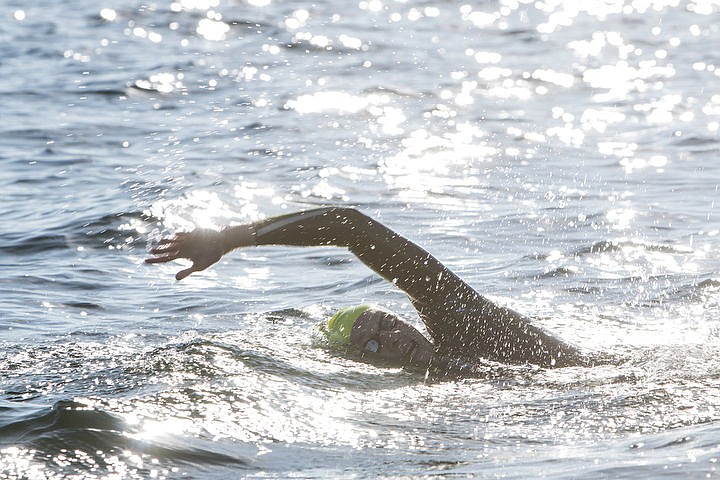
[{"x": 389, "y": 254}]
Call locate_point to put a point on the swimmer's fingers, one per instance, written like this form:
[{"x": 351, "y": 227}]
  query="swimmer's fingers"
[
  {"x": 199, "y": 263},
  {"x": 163, "y": 258},
  {"x": 171, "y": 243},
  {"x": 184, "y": 273},
  {"x": 168, "y": 249},
  {"x": 169, "y": 257}
]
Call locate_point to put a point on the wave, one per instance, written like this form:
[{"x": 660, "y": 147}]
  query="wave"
[
  {"x": 558, "y": 272},
  {"x": 107, "y": 230},
  {"x": 690, "y": 292},
  {"x": 697, "y": 141},
  {"x": 609, "y": 246},
  {"x": 87, "y": 436}
]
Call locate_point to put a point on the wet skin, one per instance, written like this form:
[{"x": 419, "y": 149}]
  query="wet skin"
[{"x": 381, "y": 336}]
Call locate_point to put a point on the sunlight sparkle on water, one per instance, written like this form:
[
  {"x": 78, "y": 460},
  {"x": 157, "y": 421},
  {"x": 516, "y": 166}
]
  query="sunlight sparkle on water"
[
  {"x": 193, "y": 5},
  {"x": 636, "y": 259},
  {"x": 212, "y": 29},
  {"x": 622, "y": 78},
  {"x": 252, "y": 278},
  {"x": 619, "y": 218},
  {"x": 155, "y": 429},
  {"x": 548, "y": 75},
  {"x": 350, "y": 42},
  {"x": 632, "y": 164},
  {"x": 322, "y": 189},
  {"x": 319, "y": 41},
  {"x": 371, "y": 5},
  {"x": 620, "y": 149},
  {"x": 21, "y": 463},
  {"x": 385, "y": 118},
  {"x": 165, "y": 82},
  {"x": 478, "y": 18},
  {"x": 304, "y": 416},
  {"x": 200, "y": 208},
  {"x": 430, "y": 164},
  {"x": 334, "y": 101},
  {"x": 141, "y": 32},
  {"x": 205, "y": 209},
  {"x": 599, "y": 119},
  {"x": 108, "y": 14},
  {"x": 484, "y": 57},
  {"x": 297, "y": 19}
]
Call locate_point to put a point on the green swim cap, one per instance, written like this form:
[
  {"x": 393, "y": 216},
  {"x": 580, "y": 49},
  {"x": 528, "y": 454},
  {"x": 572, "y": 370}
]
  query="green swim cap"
[{"x": 340, "y": 325}]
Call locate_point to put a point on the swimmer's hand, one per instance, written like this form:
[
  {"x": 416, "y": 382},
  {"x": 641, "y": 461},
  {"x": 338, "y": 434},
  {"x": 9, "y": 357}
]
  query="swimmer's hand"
[{"x": 202, "y": 247}]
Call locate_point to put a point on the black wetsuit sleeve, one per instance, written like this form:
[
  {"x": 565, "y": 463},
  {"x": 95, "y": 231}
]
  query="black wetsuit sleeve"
[{"x": 460, "y": 320}]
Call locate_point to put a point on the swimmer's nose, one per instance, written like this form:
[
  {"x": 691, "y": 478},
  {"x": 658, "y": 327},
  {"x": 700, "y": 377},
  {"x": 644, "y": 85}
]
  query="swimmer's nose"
[{"x": 404, "y": 345}]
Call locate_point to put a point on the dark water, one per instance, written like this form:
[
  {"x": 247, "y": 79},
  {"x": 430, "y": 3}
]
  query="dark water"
[{"x": 560, "y": 156}]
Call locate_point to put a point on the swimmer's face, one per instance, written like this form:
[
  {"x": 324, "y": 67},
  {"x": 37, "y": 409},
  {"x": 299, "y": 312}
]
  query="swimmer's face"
[{"x": 383, "y": 337}]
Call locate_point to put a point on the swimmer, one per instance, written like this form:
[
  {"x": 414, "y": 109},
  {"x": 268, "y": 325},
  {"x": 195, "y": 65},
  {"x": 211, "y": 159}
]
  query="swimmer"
[{"x": 464, "y": 326}]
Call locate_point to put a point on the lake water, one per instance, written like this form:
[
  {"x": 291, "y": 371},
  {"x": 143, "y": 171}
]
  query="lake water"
[{"x": 560, "y": 156}]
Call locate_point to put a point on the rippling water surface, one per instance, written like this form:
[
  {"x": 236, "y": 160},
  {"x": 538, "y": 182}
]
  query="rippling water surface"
[{"x": 561, "y": 156}]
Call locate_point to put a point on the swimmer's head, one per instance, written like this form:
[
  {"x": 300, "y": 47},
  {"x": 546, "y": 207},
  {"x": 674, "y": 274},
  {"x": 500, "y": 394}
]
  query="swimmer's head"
[
  {"x": 378, "y": 336},
  {"x": 340, "y": 326}
]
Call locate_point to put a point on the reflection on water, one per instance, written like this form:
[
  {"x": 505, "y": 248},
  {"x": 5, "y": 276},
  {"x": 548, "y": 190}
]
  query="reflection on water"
[
  {"x": 561, "y": 156},
  {"x": 225, "y": 389}
]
